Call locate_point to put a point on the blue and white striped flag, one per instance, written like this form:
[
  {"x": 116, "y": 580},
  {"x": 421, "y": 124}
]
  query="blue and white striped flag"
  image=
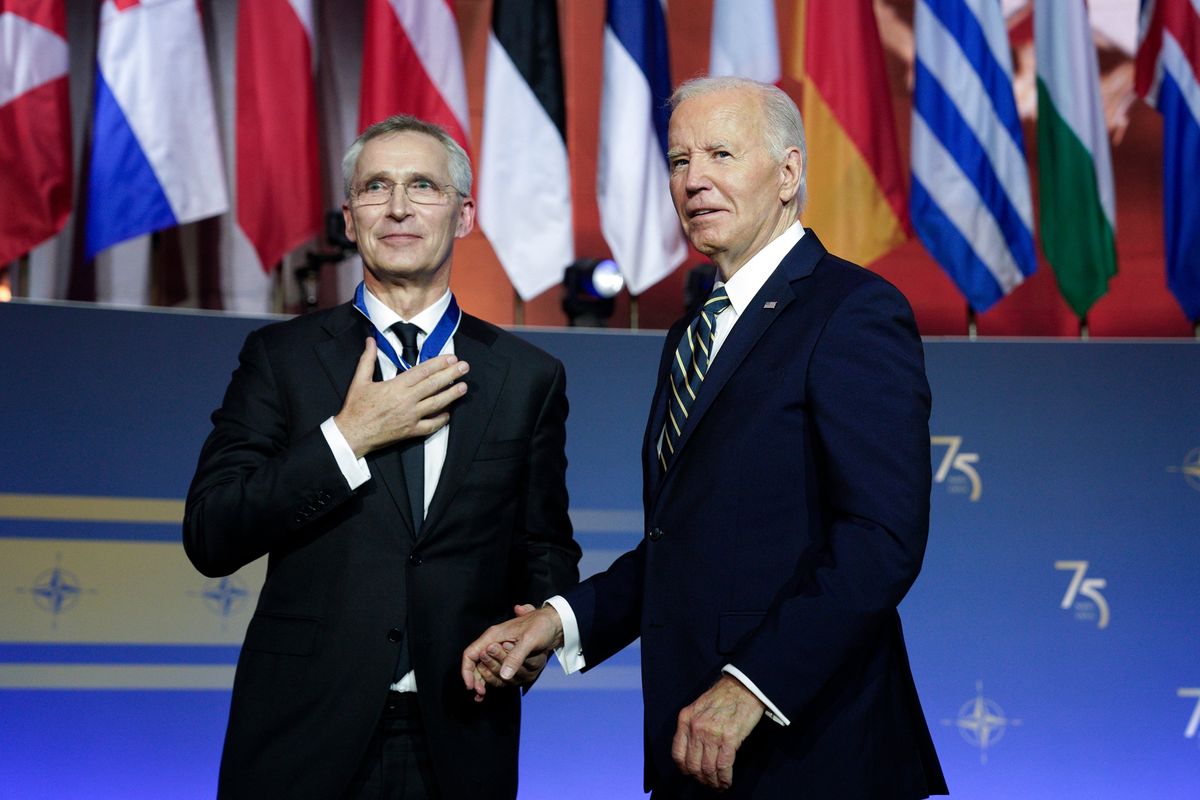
[
  {"x": 970, "y": 199},
  {"x": 636, "y": 215}
]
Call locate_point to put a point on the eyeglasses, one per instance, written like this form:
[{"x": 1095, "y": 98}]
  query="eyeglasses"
[{"x": 422, "y": 191}]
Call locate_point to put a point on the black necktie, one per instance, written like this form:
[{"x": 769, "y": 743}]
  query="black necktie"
[{"x": 412, "y": 456}]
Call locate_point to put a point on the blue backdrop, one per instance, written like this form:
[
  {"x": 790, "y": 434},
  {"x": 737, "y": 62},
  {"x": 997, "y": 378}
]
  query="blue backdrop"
[{"x": 1054, "y": 631}]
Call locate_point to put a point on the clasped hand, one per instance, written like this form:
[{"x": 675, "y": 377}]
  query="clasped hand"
[
  {"x": 413, "y": 404},
  {"x": 512, "y": 653}
]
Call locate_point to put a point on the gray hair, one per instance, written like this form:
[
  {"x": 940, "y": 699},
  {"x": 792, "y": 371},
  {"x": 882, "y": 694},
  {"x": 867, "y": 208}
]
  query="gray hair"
[
  {"x": 460, "y": 163},
  {"x": 783, "y": 126}
]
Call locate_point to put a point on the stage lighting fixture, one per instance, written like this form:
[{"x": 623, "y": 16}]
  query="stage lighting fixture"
[{"x": 589, "y": 286}]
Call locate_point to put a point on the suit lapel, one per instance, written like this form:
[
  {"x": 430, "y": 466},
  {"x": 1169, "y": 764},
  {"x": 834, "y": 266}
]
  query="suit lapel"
[
  {"x": 469, "y": 416},
  {"x": 776, "y": 294},
  {"x": 339, "y": 354}
]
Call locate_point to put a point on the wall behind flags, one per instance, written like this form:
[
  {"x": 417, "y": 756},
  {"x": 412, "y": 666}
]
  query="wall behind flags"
[{"x": 1137, "y": 303}]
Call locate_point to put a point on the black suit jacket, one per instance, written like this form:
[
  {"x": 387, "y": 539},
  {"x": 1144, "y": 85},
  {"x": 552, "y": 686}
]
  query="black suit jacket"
[
  {"x": 345, "y": 568},
  {"x": 783, "y": 537}
]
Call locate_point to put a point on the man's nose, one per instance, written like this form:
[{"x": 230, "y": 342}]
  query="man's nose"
[
  {"x": 696, "y": 177},
  {"x": 398, "y": 205}
]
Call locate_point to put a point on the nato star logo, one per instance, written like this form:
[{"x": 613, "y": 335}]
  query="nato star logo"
[
  {"x": 56, "y": 591},
  {"x": 1190, "y": 468},
  {"x": 224, "y": 596},
  {"x": 981, "y": 722}
]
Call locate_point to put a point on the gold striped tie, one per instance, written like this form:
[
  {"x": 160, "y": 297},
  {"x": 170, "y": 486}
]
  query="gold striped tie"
[{"x": 688, "y": 369}]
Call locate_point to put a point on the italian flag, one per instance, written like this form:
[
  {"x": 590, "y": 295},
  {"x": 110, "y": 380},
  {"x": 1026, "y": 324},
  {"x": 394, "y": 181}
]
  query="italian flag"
[{"x": 1077, "y": 218}]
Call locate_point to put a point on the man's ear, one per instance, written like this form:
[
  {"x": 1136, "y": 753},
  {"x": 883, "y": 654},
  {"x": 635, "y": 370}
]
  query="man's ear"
[
  {"x": 349, "y": 219},
  {"x": 466, "y": 218},
  {"x": 790, "y": 171}
]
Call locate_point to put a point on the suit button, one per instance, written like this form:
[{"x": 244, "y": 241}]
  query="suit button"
[
  {"x": 656, "y": 534},
  {"x": 414, "y": 560},
  {"x": 395, "y": 635},
  {"x": 325, "y": 497}
]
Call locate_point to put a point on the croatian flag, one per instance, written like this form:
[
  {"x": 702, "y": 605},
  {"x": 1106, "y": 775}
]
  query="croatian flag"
[
  {"x": 413, "y": 64},
  {"x": 156, "y": 158},
  {"x": 1168, "y": 76},
  {"x": 632, "y": 186},
  {"x": 969, "y": 199},
  {"x": 35, "y": 150}
]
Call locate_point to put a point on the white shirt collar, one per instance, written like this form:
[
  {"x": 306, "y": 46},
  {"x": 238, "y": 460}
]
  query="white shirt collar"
[
  {"x": 384, "y": 317},
  {"x": 746, "y": 282}
]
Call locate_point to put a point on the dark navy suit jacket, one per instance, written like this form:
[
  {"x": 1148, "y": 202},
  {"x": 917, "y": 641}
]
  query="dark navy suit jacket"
[{"x": 790, "y": 525}]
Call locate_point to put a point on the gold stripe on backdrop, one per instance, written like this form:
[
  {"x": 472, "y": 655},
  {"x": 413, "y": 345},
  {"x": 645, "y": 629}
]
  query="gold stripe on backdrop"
[{"x": 91, "y": 509}]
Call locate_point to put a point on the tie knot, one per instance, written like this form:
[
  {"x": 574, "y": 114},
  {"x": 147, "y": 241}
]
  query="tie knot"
[
  {"x": 406, "y": 332},
  {"x": 717, "y": 302}
]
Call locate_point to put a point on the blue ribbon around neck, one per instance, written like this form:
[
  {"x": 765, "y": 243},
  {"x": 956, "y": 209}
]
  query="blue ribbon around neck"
[{"x": 434, "y": 342}]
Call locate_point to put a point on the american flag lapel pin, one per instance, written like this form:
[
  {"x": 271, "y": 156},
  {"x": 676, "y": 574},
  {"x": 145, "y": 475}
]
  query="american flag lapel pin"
[{"x": 769, "y": 304}]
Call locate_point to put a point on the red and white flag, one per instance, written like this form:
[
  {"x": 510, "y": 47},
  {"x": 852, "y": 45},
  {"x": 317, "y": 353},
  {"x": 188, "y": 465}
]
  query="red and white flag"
[
  {"x": 35, "y": 150},
  {"x": 278, "y": 182},
  {"x": 413, "y": 64}
]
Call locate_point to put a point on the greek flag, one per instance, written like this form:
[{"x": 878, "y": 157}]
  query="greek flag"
[{"x": 970, "y": 199}]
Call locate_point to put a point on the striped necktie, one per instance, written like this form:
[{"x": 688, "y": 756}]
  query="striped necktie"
[{"x": 688, "y": 369}]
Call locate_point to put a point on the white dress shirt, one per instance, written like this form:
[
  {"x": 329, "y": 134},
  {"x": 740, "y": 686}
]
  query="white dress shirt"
[
  {"x": 741, "y": 288},
  {"x": 355, "y": 470}
]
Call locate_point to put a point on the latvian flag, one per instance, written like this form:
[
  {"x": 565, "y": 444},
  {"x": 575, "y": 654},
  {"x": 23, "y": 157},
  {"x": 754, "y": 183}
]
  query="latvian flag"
[
  {"x": 1168, "y": 76},
  {"x": 156, "y": 158},
  {"x": 35, "y": 150},
  {"x": 524, "y": 180}
]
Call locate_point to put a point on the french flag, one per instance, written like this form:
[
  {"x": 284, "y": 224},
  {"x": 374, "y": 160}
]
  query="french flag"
[
  {"x": 35, "y": 116},
  {"x": 413, "y": 64},
  {"x": 1168, "y": 76},
  {"x": 156, "y": 158}
]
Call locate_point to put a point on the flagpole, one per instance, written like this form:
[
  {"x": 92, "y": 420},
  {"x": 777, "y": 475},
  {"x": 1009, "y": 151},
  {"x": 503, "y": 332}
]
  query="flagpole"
[
  {"x": 1083, "y": 328},
  {"x": 518, "y": 309},
  {"x": 279, "y": 301},
  {"x": 19, "y": 283},
  {"x": 633, "y": 312},
  {"x": 971, "y": 331}
]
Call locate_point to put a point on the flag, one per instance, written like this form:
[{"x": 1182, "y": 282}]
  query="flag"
[
  {"x": 1168, "y": 76},
  {"x": 744, "y": 40},
  {"x": 524, "y": 178},
  {"x": 413, "y": 64},
  {"x": 156, "y": 156},
  {"x": 857, "y": 200},
  {"x": 969, "y": 198},
  {"x": 636, "y": 215},
  {"x": 35, "y": 150},
  {"x": 1077, "y": 213},
  {"x": 278, "y": 183}
]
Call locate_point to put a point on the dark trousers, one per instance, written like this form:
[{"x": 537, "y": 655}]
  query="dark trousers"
[{"x": 396, "y": 765}]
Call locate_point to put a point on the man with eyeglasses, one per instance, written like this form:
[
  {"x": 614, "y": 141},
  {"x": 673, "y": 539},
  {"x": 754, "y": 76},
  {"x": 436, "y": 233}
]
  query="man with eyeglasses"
[{"x": 402, "y": 465}]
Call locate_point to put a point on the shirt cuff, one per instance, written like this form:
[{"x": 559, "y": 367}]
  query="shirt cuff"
[
  {"x": 772, "y": 712},
  {"x": 570, "y": 655},
  {"x": 354, "y": 470}
]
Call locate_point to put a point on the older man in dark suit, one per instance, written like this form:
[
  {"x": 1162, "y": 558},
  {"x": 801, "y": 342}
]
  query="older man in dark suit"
[
  {"x": 786, "y": 486},
  {"x": 402, "y": 466}
]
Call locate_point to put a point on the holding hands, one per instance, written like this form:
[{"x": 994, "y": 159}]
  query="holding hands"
[{"x": 512, "y": 653}]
